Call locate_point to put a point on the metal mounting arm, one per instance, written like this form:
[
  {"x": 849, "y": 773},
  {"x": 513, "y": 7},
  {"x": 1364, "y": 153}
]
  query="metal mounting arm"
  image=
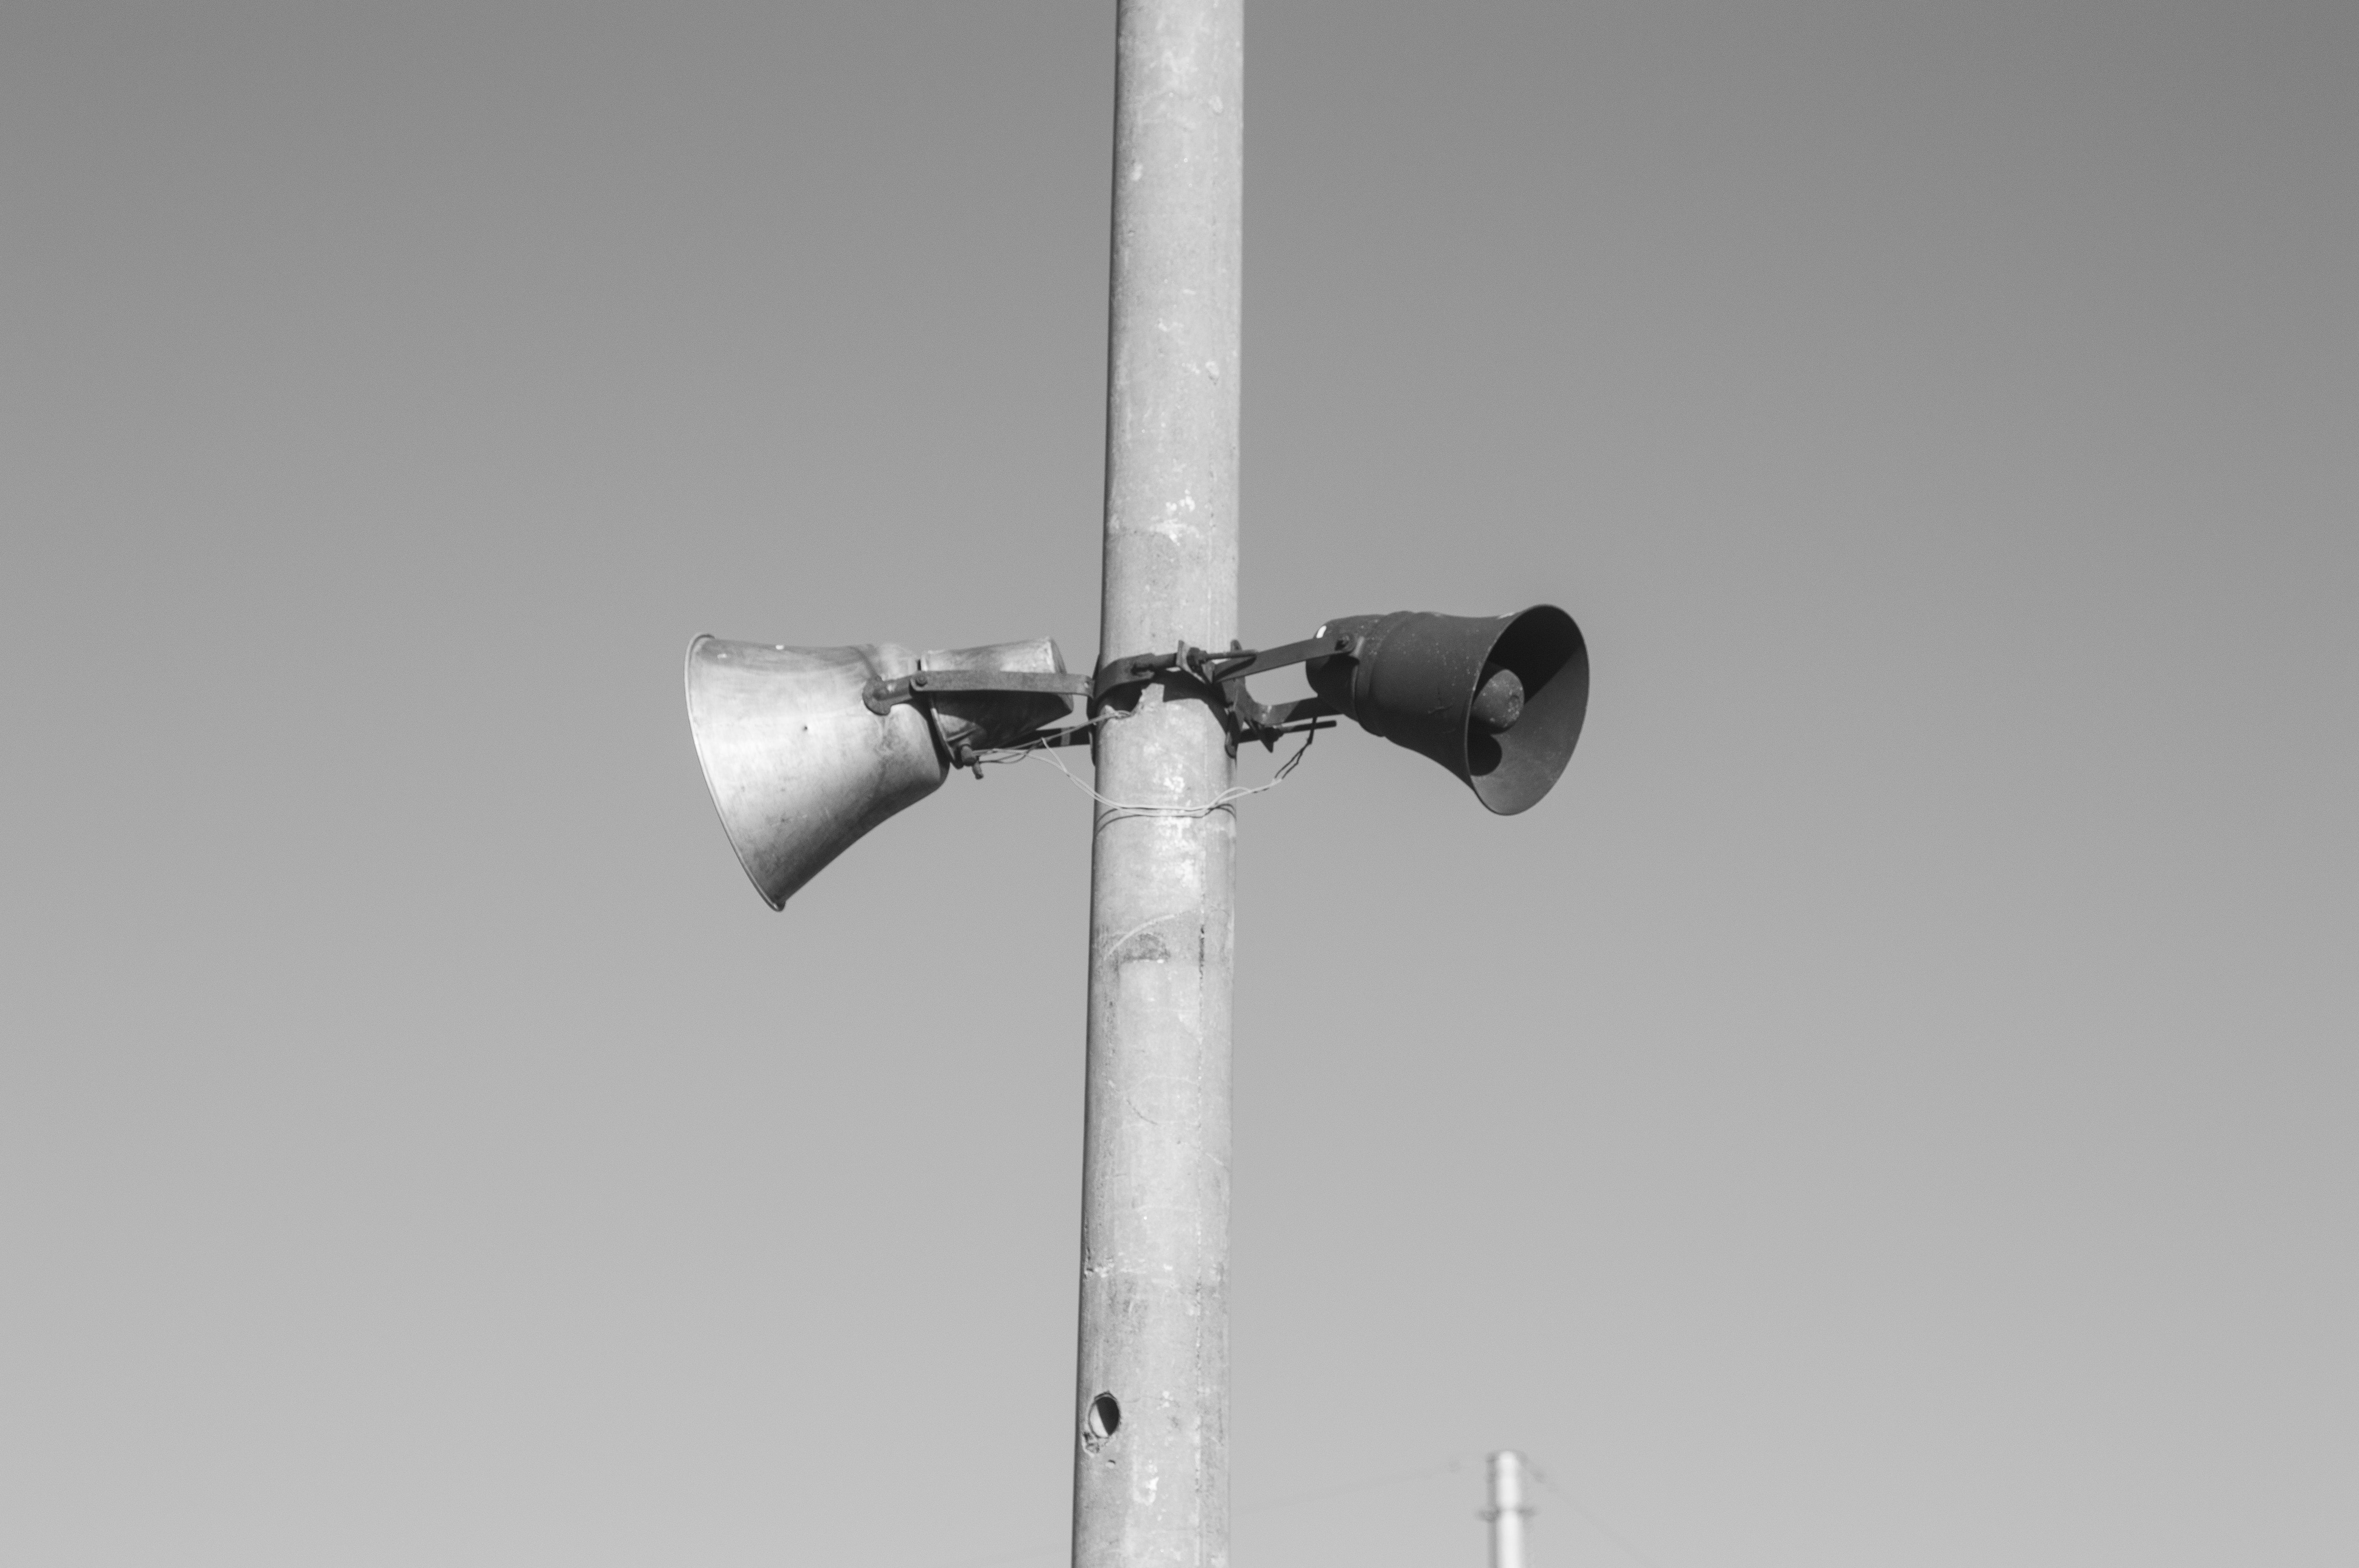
[
  {"x": 1224, "y": 675},
  {"x": 882, "y": 695},
  {"x": 1239, "y": 663},
  {"x": 1221, "y": 677},
  {"x": 1218, "y": 669}
]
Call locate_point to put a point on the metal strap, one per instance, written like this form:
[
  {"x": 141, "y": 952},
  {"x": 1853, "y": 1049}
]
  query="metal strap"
[{"x": 882, "y": 695}]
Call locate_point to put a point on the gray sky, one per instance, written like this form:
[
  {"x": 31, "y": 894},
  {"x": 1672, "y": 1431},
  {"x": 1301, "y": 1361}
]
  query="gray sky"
[{"x": 1892, "y": 1104}]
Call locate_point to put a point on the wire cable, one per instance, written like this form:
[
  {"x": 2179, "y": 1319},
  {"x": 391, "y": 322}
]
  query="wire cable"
[
  {"x": 1607, "y": 1530},
  {"x": 1115, "y": 810}
]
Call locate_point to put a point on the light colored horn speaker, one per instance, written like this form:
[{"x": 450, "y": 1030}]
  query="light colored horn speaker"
[{"x": 799, "y": 766}]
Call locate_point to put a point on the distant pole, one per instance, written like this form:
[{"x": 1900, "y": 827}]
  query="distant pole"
[
  {"x": 1508, "y": 1510},
  {"x": 1150, "y": 1465}
]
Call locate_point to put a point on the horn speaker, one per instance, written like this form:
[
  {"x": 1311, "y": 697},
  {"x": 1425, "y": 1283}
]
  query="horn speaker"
[
  {"x": 798, "y": 764},
  {"x": 1496, "y": 699}
]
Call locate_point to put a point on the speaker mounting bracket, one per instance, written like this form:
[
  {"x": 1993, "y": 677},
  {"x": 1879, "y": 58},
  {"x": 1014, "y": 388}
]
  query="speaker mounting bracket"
[
  {"x": 884, "y": 696},
  {"x": 1222, "y": 677}
]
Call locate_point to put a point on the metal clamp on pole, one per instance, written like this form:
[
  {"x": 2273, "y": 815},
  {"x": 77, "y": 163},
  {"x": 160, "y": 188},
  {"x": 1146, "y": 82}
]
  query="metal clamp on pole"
[
  {"x": 1136, "y": 669},
  {"x": 1222, "y": 677}
]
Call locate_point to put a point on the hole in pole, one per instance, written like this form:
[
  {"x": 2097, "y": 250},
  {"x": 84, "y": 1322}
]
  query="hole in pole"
[{"x": 1104, "y": 1419}]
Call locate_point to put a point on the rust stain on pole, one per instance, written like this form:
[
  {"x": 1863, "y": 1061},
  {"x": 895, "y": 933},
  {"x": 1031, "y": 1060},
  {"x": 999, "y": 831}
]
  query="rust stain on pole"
[{"x": 1151, "y": 1414}]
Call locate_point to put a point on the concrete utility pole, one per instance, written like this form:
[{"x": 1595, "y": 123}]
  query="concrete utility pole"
[
  {"x": 1150, "y": 1466},
  {"x": 1508, "y": 1510}
]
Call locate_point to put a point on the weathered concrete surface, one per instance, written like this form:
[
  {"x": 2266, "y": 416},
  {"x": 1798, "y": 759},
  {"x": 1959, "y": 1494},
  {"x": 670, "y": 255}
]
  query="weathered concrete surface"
[{"x": 1151, "y": 1483}]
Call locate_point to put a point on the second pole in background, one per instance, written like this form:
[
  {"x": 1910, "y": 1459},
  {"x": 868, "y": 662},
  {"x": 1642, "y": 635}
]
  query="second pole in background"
[{"x": 1508, "y": 1510}]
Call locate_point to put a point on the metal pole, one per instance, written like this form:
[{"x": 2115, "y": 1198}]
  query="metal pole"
[
  {"x": 1508, "y": 1510},
  {"x": 1150, "y": 1463}
]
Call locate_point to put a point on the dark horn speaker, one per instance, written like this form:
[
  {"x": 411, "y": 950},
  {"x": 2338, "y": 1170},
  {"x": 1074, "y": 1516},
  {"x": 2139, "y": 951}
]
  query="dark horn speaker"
[{"x": 1497, "y": 699}]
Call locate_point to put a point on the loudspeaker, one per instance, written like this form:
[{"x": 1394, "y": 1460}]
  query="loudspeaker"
[
  {"x": 1496, "y": 699},
  {"x": 799, "y": 765}
]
